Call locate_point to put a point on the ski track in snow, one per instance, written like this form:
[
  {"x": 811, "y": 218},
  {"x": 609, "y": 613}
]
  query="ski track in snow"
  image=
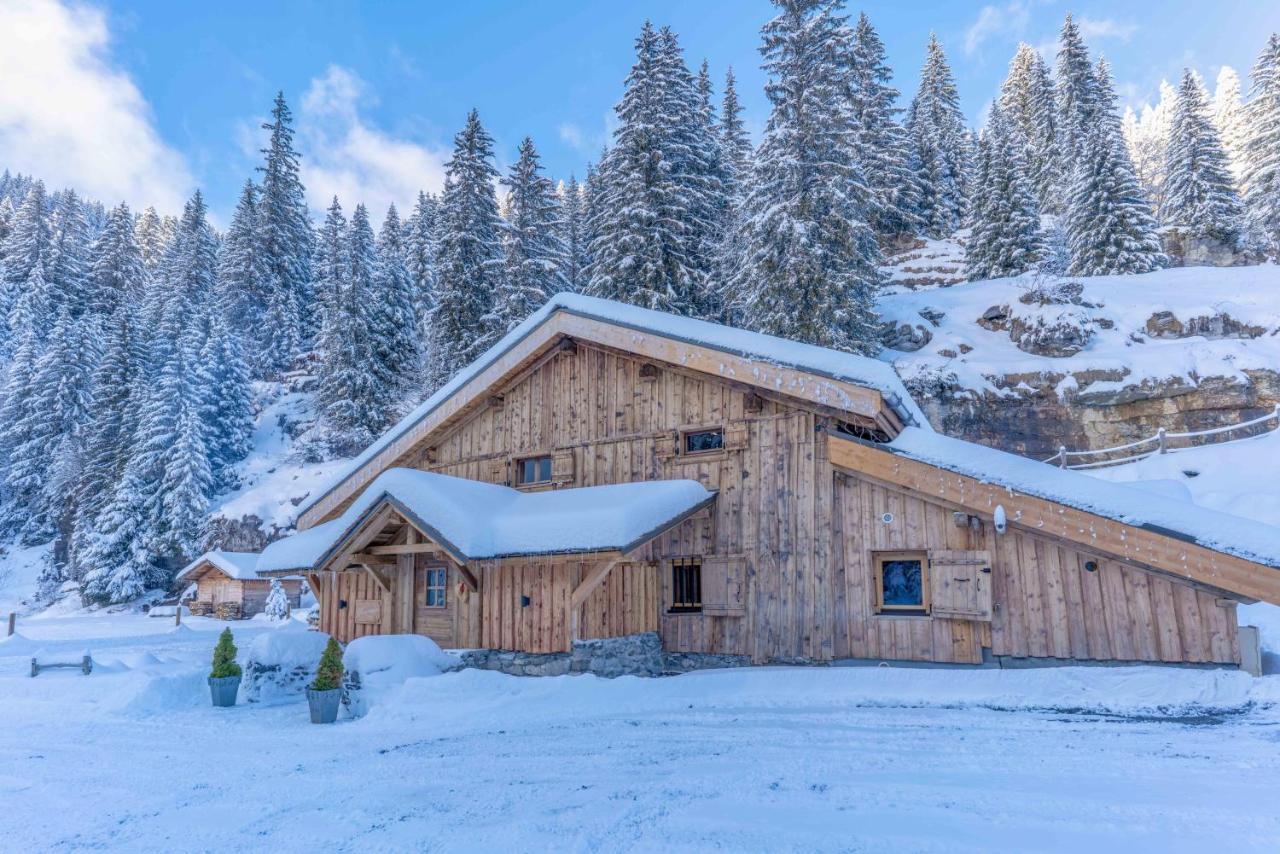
[{"x": 134, "y": 758}]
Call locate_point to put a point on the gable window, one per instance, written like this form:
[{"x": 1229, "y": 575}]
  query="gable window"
[
  {"x": 902, "y": 583},
  {"x": 686, "y": 587},
  {"x": 437, "y": 588},
  {"x": 531, "y": 471},
  {"x": 703, "y": 441}
]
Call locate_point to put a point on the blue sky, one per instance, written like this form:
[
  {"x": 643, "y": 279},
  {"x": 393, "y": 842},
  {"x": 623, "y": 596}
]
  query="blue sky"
[{"x": 145, "y": 100}]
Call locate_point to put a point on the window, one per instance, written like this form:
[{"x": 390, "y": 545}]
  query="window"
[
  {"x": 902, "y": 583},
  {"x": 437, "y": 588},
  {"x": 533, "y": 470},
  {"x": 703, "y": 441},
  {"x": 686, "y": 587}
]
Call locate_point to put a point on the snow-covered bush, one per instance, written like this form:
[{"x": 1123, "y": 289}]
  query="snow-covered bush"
[
  {"x": 378, "y": 664},
  {"x": 277, "y": 605}
]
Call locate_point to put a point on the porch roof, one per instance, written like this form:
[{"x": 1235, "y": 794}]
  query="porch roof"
[{"x": 477, "y": 521}]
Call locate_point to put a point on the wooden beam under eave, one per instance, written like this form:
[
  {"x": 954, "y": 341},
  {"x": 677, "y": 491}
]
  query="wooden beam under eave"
[
  {"x": 468, "y": 578},
  {"x": 370, "y": 559},
  {"x": 403, "y": 548},
  {"x": 1115, "y": 540},
  {"x": 385, "y": 584}
]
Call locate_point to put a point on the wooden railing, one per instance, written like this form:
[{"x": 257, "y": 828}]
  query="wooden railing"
[{"x": 1160, "y": 443}]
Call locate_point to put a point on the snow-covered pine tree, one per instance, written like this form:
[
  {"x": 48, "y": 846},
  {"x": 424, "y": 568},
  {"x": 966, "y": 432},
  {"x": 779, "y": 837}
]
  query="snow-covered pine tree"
[
  {"x": 1261, "y": 178},
  {"x": 284, "y": 232},
  {"x": 152, "y": 238},
  {"x": 810, "y": 267},
  {"x": 1077, "y": 93},
  {"x": 736, "y": 158},
  {"x": 653, "y": 242},
  {"x": 277, "y": 605},
  {"x": 940, "y": 146},
  {"x": 392, "y": 314},
  {"x": 22, "y": 465},
  {"x": 226, "y": 412},
  {"x": 534, "y": 252},
  {"x": 242, "y": 273},
  {"x": 469, "y": 258},
  {"x": 1027, "y": 99},
  {"x": 573, "y": 232},
  {"x": 420, "y": 246},
  {"x": 883, "y": 149},
  {"x": 1110, "y": 228},
  {"x": 1006, "y": 238},
  {"x": 329, "y": 273},
  {"x": 28, "y": 246},
  {"x": 67, "y": 266},
  {"x": 117, "y": 272},
  {"x": 1227, "y": 114},
  {"x": 1199, "y": 194}
]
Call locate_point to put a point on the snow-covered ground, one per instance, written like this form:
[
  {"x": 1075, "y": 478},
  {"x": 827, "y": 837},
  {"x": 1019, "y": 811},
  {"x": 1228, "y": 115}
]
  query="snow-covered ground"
[{"x": 133, "y": 757}]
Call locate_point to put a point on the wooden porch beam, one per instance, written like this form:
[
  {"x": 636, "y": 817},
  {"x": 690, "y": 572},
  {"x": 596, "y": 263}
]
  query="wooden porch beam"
[
  {"x": 403, "y": 548},
  {"x": 382, "y": 582},
  {"x": 468, "y": 578}
]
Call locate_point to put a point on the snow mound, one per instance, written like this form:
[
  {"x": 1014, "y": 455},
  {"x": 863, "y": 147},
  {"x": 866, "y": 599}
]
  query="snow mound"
[
  {"x": 291, "y": 645},
  {"x": 17, "y": 644},
  {"x": 378, "y": 665}
]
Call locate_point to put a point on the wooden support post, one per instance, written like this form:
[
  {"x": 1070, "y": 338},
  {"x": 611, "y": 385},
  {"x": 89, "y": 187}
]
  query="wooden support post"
[
  {"x": 593, "y": 579},
  {"x": 177, "y": 615},
  {"x": 13, "y": 619}
]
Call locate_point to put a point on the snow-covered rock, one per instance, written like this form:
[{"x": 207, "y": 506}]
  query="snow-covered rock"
[
  {"x": 378, "y": 664},
  {"x": 279, "y": 663}
]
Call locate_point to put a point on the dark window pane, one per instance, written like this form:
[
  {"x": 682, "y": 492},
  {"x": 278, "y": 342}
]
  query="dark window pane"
[
  {"x": 903, "y": 583},
  {"x": 703, "y": 440},
  {"x": 544, "y": 468},
  {"x": 535, "y": 470}
]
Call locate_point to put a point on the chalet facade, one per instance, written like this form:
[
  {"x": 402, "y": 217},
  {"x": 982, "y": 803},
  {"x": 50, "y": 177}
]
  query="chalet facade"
[
  {"x": 229, "y": 587},
  {"x": 606, "y": 470}
]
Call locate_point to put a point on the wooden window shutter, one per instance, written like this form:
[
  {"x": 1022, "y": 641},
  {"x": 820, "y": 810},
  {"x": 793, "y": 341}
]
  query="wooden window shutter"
[
  {"x": 723, "y": 586},
  {"x": 960, "y": 584},
  {"x": 737, "y": 436},
  {"x": 562, "y": 466},
  {"x": 498, "y": 471},
  {"x": 666, "y": 445}
]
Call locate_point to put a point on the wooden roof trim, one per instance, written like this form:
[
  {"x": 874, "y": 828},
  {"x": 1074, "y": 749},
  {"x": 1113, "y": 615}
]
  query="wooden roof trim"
[
  {"x": 796, "y": 383},
  {"x": 1161, "y": 552}
]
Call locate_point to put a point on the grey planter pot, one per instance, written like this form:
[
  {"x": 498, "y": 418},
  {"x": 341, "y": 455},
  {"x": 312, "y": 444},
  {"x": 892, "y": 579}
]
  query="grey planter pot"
[
  {"x": 324, "y": 705},
  {"x": 224, "y": 690}
]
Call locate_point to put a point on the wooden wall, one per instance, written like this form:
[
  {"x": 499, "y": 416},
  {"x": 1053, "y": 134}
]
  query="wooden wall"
[
  {"x": 803, "y": 530},
  {"x": 216, "y": 587}
]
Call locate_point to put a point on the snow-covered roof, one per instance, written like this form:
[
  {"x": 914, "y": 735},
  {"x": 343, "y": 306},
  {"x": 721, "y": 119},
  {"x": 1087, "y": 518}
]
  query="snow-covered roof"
[
  {"x": 475, "y": 520},
  {"x": 833, "y": 364},
  {"x": 1211, "y": 529},
  {"x": 242, "y": 566}
]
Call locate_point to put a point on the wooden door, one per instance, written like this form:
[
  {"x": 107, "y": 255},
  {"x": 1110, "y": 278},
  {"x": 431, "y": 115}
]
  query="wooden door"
[{"x": 435, "y": 593}]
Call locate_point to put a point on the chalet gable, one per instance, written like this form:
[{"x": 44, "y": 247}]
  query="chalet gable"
[{"x": 865, "y": 391}]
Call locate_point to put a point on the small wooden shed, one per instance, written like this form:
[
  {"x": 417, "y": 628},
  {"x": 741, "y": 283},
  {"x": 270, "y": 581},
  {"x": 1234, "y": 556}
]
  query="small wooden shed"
[{"x": 228, "y": 586}]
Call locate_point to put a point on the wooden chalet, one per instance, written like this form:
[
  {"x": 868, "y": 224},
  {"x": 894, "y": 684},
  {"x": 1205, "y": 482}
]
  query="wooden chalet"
[
  {"x": 229, "y": 587},
  {"x": 606, "y": 470}
]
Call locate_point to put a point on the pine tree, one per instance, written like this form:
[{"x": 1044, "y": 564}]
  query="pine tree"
[
  {"x": 1027, "y": 99},
  {"x": 330, "y": 269},
  {"x": 1199, "y": 195},
  {"x": 28, "y": 247},
  {"x": 277, "y": 605},
  {"x": 940, "y": 146},
  {"x": 284, "y": 231},
  {"x": 420, "y": 246},
  {"x": 1229, "y": 120},
  {"x": 659, "y": 192},
  {"x": 117, "y": 274},
  {"x": 226, "y": 411},
  {"x": 397, "y": 344},
  {"x": 1261, "y": 177},
  {"x": 737, "y": 164},
  {"x": 534, "y": 252},
  {"x": 1110, "y": 228},
  {"x": 735, "y": 145},
  {"x": 152, "y": 238},
  {"x": 67, "y": 265},
  {"x": 22, "y": 458},
  {"x": 469, "y": 261},
  {"x": 810, "y": 267},
  {"x": 224, "y": 657},
  {"x": 573, "y": 233},
  {"x": 329, "y": 671},
  {"x": 1077, "y": 93},
  {"x": 883, "y": 149},
  {"x": 1005, "y": 238},
  {"x": 242, "y": 275}
]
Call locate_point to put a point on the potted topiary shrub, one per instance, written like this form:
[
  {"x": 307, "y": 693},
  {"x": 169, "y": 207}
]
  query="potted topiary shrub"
[
  {"x": 224, "y": 678},
  {"x": 324, "y": 694}
]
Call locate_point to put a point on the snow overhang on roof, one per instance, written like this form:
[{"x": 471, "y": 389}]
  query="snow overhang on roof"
[
  {"x": 241, "y": 566},
  {"x": 1160, "y": 514},
  {"x": 816, "y": 362},
  {"x": 476, "y": 521}
]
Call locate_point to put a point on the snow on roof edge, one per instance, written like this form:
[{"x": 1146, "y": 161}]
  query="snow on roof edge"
[
  {"x": 1172, "y": 517},
  {"x": 241, "y": 566},
  {"x": 823, "y": 361}
]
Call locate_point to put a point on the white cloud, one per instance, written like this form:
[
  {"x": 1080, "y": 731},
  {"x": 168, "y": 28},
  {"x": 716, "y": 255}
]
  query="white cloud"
[
  {"x": 993, "y": 21},
  {"x": 343, "y": 156},
  {"x": 71, "y": 116},
  {"x": 571, "y": 134},
  {"x": 1106, "y": 28}
]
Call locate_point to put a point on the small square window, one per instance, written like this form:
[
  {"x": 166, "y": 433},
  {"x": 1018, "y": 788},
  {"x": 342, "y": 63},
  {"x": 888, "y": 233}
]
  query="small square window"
[
  {"x": 533, "y": 470},
  {"x": 686, "y": 587},
  {"x": 902, "y": 583},
  {"x": 703, "y": 441},
  {"x": 437, "y": 588}
]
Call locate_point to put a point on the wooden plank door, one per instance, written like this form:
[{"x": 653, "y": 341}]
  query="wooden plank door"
[{"x": 433, "y": 619}]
